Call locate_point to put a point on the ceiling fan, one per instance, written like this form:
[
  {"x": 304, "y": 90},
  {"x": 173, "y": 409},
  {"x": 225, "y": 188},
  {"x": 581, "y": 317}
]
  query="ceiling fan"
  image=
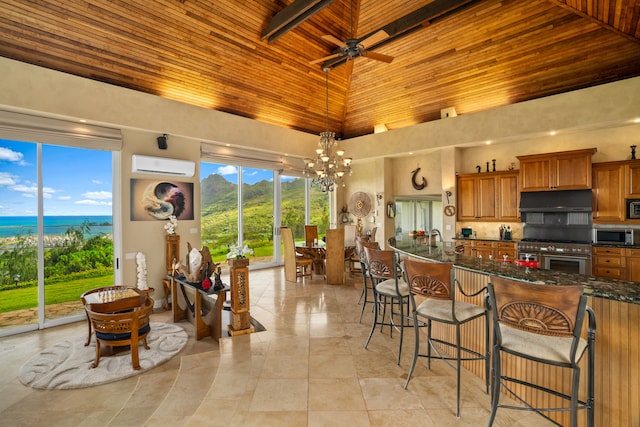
[{"x": 352, "y": 48}]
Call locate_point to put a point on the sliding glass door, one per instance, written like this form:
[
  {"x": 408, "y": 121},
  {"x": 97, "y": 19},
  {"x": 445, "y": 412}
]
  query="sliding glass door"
[
  {"x": 56, "y": 233},
  {"x": 242, "y": 206}
]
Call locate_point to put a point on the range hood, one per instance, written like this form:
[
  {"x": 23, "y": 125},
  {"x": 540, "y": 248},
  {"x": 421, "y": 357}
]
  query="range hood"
[{"x": 556, "y": 201}]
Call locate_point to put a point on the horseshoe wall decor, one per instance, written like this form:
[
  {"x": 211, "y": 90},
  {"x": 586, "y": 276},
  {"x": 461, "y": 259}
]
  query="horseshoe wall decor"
[{"x": 417, "y": 186}]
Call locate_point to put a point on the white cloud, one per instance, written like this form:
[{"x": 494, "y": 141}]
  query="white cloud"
[
  {"x": 98, "y": 195},
  {"x": 96, "y": 181},
  {"x": 64, "y": 198},
  {"x": 7, "y": 179},
  {"x": 11, "y": 156},
  {"x": 32, "y": 190},
  {"x": 227, "y": 170},
  {"x": 93, "y": 203}
]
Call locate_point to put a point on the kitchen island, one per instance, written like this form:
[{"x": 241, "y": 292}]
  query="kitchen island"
[{"x": 616, "y": 304}]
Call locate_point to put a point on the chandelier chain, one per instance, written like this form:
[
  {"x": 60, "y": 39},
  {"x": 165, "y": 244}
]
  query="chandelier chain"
[{"x": 329, "y": 165}]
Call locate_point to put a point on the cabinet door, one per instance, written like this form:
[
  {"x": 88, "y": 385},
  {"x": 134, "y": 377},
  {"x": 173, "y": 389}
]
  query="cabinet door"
[
  {"x": 572, "y": 172},
  {"x": 632, "y": 172},
  {"x": 466, "y": 198},
  {"x": 486, "y": 198},
  {"x": 509, "y": 197},
  {"x": 633, "y": 269},
  {"x": 535, "y": 175},
  {"x": 608, "y": 193}
]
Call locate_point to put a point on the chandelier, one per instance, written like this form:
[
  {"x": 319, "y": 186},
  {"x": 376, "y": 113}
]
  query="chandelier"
[{"x": 329, "y": 166}]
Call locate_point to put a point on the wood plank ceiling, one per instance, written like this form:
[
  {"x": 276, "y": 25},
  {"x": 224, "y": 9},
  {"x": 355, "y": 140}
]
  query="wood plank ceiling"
[{"x": 210, "y": 53}]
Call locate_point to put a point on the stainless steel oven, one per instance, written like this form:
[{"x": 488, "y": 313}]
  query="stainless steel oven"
[
  {"x": 569, "y": 257},
  {"x": 578, "y": 264}
]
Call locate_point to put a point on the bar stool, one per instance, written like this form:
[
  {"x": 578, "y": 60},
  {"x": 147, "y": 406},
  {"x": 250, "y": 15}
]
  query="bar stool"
[
  {"x": 387, "y": 283},
  {"x": 541, "y": 323},
  {"x": 437, "y": 283},
  {"x": 362, "y": 257}
]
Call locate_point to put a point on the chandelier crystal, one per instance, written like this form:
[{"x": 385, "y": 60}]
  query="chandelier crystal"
[{"x": 329, "y": 165}]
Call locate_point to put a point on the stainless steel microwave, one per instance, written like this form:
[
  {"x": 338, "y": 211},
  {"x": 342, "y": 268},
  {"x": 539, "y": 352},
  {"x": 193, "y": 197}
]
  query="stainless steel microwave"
[
  {"x": 633, "y": 208},
  {"x": 616, "y": 236}
]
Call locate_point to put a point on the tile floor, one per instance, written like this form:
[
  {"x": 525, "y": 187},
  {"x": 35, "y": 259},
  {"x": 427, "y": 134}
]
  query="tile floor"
[{"x": 309, "y": 368}]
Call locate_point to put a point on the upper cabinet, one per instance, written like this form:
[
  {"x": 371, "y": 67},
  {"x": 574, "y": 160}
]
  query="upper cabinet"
[
  {"x": 567, "y": 170},
  {"x": 608, "y": 192},
  {"x": 491, "y": 196},
  {"x": 613, "y": 182}
]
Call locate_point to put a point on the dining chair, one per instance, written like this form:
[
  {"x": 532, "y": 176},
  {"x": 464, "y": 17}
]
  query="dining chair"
[
  {"x": 542, "y": 324},
  {"x": 121, "y": 329},
  {"x": 295, "y": 265},
  {"x": 436, "y": 283},
  {"x": 388, "y": 288},
  {"x": 334, "y": 260},
  {"x": 310, "y": 235}
]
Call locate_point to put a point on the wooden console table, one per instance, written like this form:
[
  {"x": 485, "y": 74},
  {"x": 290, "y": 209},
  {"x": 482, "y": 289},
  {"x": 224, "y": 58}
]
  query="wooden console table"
[{"x": 203, "y": 309}]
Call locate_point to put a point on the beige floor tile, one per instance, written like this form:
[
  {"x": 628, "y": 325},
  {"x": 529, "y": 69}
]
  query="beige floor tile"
[
  {"x": 338, "y": 419},
  {"x": 280, "y": 395},
  {"x": 401, "y": 418},
  {"x": 340, "y": 394},
  {"x": 388, "y": 393},
  {"x": 331, "y": 366}
]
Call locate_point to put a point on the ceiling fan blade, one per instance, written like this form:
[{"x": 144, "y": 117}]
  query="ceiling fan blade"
[
  {"x": 333, "y": 40},
  {"x": 325, "y": 58},
  {"x": 378, "y": 56},
  {"x": 375, "y": 38}
]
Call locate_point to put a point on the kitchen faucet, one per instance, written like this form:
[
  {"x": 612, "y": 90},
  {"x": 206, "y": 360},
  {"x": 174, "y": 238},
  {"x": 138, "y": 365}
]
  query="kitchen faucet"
[{"x": 432, "y": 232}]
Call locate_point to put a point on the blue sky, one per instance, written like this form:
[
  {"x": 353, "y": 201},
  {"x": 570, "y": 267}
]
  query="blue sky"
[{"x": 75, "y": 181}]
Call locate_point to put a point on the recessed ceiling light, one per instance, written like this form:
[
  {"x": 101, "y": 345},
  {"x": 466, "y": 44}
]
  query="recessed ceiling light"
[
  {"x": 552, "y": 133},
  {"x": 488, "y": 142},
  {"x": 83, "y": 121}
]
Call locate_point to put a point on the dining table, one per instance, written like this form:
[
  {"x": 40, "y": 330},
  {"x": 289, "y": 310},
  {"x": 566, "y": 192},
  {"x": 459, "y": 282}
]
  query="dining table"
[{"x": 317, "y": 253}]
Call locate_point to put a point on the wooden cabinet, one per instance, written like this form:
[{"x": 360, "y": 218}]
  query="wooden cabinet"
[
  {"x": 609, "y": 262},
  {"x": 489, "y": 249},
  {"x": 633, "y": 264},
  {"x": 484, "y": 249},
  {"x": 505, "y": 248},
  {"x": 509, "y": 197},
  {"x": 613, "y": 182},
  {"x": 608, "y": 192},
  {"x": 632, "y": 179},
  {"x": 491, "y": 196},
  {"x": 567, "y": 170}
]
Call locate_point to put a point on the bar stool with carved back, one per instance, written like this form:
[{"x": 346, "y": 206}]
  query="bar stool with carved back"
[
  {"x": 387, "y": 284},
  {"x": 543, "y": 324},
  {"x": 436, "y": 282},
  {"x": 362, "y": 258}
]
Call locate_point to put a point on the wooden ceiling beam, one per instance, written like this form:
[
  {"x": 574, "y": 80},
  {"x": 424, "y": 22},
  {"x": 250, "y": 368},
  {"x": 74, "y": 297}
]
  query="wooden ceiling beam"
[
  {"x": 413, "y": 21},
  {"x": 292, "y": 16}
]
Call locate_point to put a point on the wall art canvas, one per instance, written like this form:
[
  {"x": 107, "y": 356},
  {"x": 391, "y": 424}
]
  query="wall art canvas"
[{"x": 158, "y": 199}]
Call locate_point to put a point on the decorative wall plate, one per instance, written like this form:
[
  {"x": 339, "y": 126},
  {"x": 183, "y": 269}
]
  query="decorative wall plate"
[
  {"x": 449, "y": 210},
  {"x": 360, "y": 204}
]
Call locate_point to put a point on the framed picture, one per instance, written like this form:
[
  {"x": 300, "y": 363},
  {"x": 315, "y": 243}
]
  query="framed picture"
[
  {"x": 391, "y": 210},
  {"x": 153, "y": 199}
]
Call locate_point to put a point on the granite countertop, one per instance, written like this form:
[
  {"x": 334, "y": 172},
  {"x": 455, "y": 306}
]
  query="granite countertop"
[{"x": 619, "y": 290}]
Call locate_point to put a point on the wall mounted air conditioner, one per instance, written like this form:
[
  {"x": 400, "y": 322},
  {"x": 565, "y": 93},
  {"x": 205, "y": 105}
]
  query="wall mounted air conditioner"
[{"x": 162, "y": 166}]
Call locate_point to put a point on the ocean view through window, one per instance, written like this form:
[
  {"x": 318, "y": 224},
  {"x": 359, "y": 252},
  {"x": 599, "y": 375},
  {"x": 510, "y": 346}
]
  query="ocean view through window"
[{"x": 66, "y": 208}]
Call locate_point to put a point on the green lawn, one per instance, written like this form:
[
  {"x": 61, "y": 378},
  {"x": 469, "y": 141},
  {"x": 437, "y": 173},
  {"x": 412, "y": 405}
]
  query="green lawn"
[{"x": 19, "y": 299}]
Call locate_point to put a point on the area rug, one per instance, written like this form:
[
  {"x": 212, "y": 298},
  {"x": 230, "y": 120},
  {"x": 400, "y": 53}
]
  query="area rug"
[{"x": 67, "y": 365}]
